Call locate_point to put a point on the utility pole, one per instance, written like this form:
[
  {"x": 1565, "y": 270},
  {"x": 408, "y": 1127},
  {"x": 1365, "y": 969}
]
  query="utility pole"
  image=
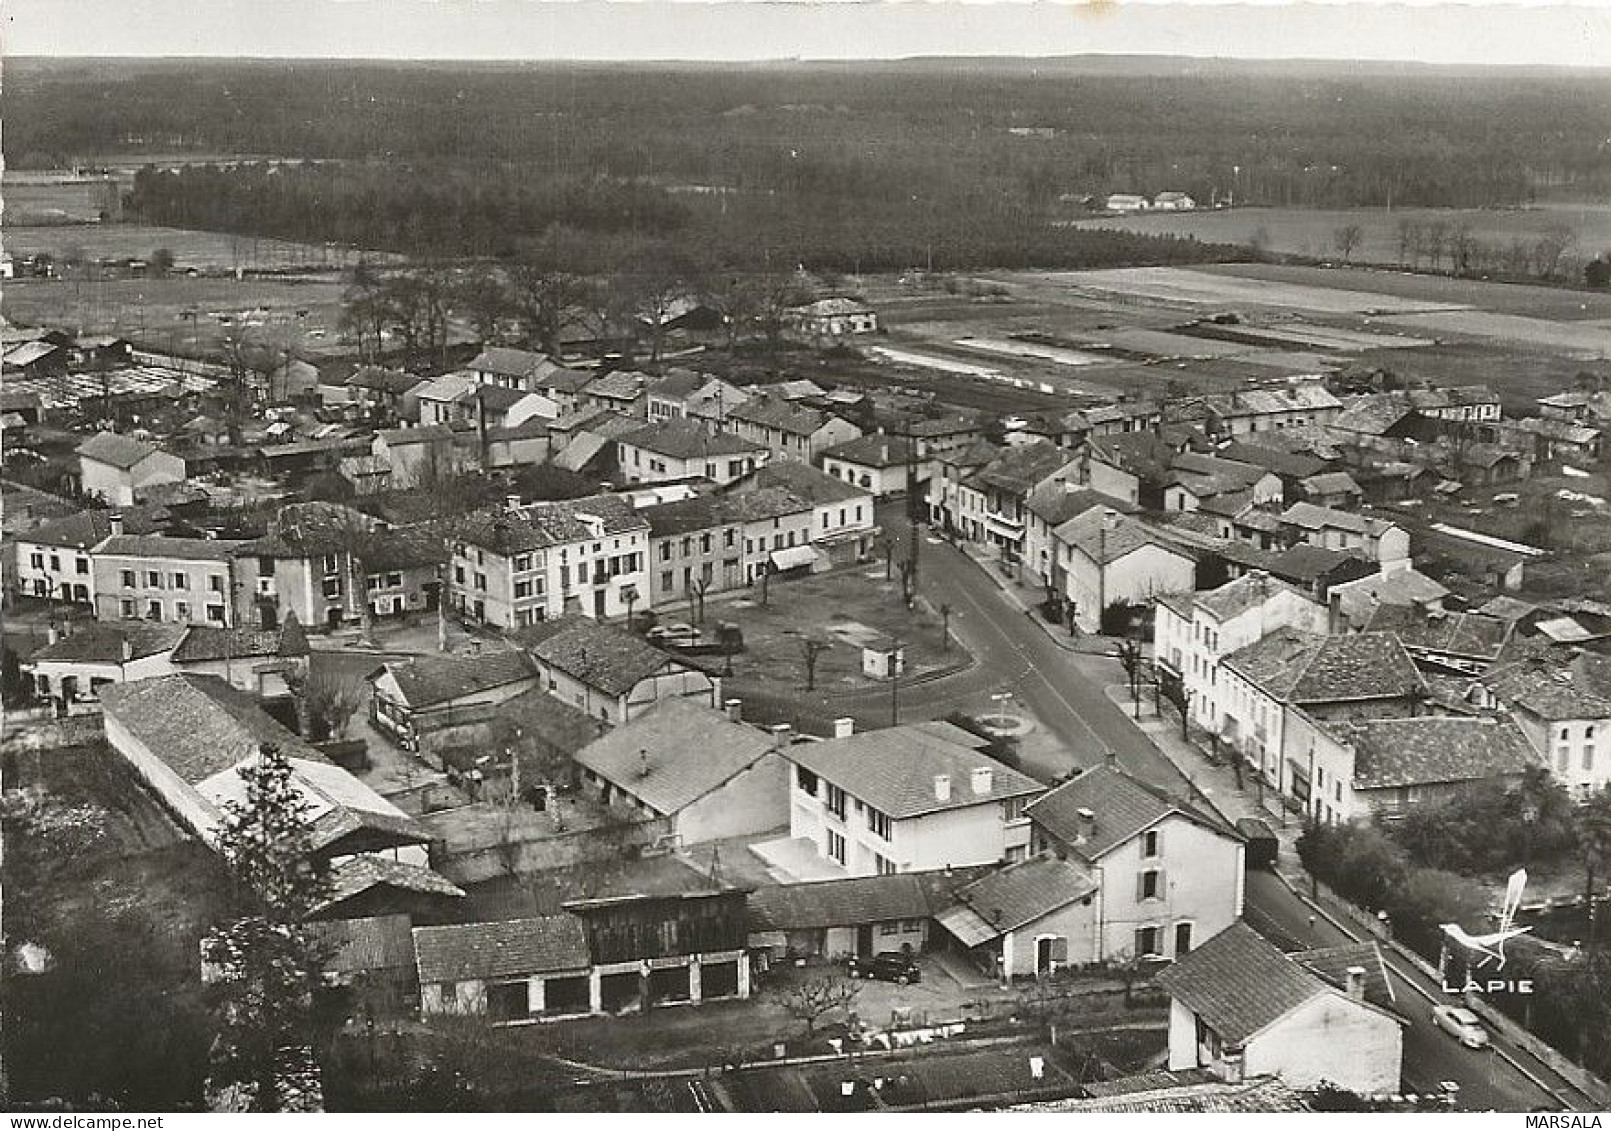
[{"x": 895, "y": 682}]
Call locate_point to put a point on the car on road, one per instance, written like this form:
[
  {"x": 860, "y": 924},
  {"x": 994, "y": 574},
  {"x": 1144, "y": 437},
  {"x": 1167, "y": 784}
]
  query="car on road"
[
  {"x": 1461, "y": 1024},
  {"x": 891, "y": 966},
  {"x": 672, "y": 633}
]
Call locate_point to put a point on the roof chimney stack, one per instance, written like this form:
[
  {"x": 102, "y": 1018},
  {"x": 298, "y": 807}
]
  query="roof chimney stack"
[
  {"x": 1087, "y": 824},
  {"x": 734, "y": 709},
  {"x": 844, "y": 728},
  {"x": 942, "y": 787},
  {"x": 983, "y": 779},
  {"x": 782, "y": 734},
  {"x": 1356, "y": 983},
  {"x": 115, "y": 521}
]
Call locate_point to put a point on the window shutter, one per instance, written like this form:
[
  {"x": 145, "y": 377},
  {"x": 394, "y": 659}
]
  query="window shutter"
[
  {"x": 1141, "y": 942},
  {"x": 1163, "y": 884},
  {"x": 1060, "y": 950},
  {"x": 1157, "y": 842},
  {"x": 1141, "y": 887}
]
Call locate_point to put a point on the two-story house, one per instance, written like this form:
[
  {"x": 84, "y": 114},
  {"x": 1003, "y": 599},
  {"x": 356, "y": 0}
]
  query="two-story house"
[
  {"x": 53, "y": 560},
  {"x": 1359, "y": 675},
  {"x": 709, "y": 544},
  {"x": 1001, "y": 490},
  {"x": 1564, "y": 709},
  {"x": 1192, "y": 631},
  {"x": 120, "y": 468},
  {"x": 620, "y": 391},
  {"x": 842, "y": 523},
  {"x": 508, "y": 368},
  {"x": 1049, "y": 506},
  {"x": 610, "y": 674},
  {"x": 683, "y": 394},
  {"x": 1252, "y": 411},
  {"x": 830, "y": 320},
  {"x": 1240, "y": 1008},
  {"x": 1106, "y": 558},
  {"x": 1168, "y": 875},
  {"x": 793, "y": 430},
  {"x": 520, "y": 565},
  {"x": 953, "y": 508},
  {"x": 1376, "y": 539},
  {"x": 683, "y": 448},
  {"x": 155, "y": 577},
  {"x": 879, "y": 463},
  {"x": 909, "y": 798}
]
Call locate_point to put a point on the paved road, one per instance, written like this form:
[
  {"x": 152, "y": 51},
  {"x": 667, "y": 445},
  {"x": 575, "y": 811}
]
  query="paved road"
[{"x": 1059, "y": 687}]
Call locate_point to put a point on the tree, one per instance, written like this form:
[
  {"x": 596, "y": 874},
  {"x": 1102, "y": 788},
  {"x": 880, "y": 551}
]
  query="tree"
[
  {"x": 811, "y": 649},
  {"x": 810, "y": 1001},
  {"x": 1409, "y": 239},
  {"x": 1597, "y": 273},
  {"x": 696, "y": 599},
  {"x": 484, "y": 299},
  {"x": 1549, "y": 248},
  {"x": 327, "y": 699},
  {"x": 1347, "y": 239},
  {"x": 161, "y": 262},
  {"x": 267, "y": 960}
]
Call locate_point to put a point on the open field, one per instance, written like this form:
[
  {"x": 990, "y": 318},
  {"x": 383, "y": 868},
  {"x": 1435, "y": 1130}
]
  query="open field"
[
  {"x": 1438, "y": 290},
  {"x": 295, "y": 314},
  {"x": 205, "y": 251},
  {"x": 1311, "y": 231}
]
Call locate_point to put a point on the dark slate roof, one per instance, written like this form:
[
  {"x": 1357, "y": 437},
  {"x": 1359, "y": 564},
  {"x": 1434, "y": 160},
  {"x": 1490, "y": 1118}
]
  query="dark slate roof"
[
  {"x": 706, "y": 511},
  {"x": 802, "y": 480},
  {"x": 1055, "y": 503},
  {"x": 394, "y": 381},
  {"x": 1021, "y": 893},
  {"x": 1124, "y": 807},
  {"x": 356, "y": 946},
  {"x": 538, "y": 525},
  {"x": 496, "y": 398},
  {"x": 876, "y": 449},
  {"x": 599, "y": 655},
  {"x": 1462, "y": 634},
  {"x": 1292, "y": 465},
  {"x": 112, "y": 642},
  {"x": 86, "y": 528},
  {"x": 677, "y": 384},
  {"x": 161, "y": 546},
  {"x": 675, "y": 753},
  {"x": 1432, "y": 750},
  {"x": 768, "y": 411},
  {"x": 684, "y": 438},
  {"x": 214, "y": 642},
  {"x": 507, "y": 949},
  {"x": 839, "y": 903},
  {"x": 428, "y": 681},
  {"x": 1257, "y": 1095},
  {"x": 894, "y": 769},
  {"x": 1239, "y": 984},
  {"x": 1552, "y": 691},
  {"x": 1301, "y": 667},
  {"x": 1021, "y": 467},
  {"x": 198, "y": 724},
  {"x": 116, "y": 450}
]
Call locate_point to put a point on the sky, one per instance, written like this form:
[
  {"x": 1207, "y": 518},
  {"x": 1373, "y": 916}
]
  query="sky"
[{"x": 1482, "y": 31}]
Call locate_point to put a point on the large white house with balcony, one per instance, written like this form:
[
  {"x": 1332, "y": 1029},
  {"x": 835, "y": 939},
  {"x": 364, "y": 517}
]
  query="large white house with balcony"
[{"x": 907, "y": 799}]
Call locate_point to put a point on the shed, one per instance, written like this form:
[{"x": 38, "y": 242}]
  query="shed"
[{"x": 883, "y": 658}]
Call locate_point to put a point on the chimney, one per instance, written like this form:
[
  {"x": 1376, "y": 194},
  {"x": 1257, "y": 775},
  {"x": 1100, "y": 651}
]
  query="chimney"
[
  {"x": 781, "y": 734},
  {"x": 983, "y": 779},
  {"x": 942, "y": 787},
  {"x": 1087, "y": 824},
  {"x": 1356, "y": 983},
  {"x": 643, "y": 763},
  {"x": 734, "y": 709},
  {"x": 52, "y": 634},
  {"x": 511, "y": 502},
  {"x": 844, "y": 728},
  {"x": 883, "y": 453},
  {"x": 115, "y": 520}
]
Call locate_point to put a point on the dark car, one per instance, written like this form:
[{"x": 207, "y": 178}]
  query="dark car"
[{"x": 891, "y": 966}]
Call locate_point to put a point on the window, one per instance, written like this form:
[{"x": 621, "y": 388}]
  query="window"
[
  {"x": 1151, "y": 843},
  {"x": 1149, "y": 884},
  {"x": 180, "y": 581},
  {"x": 153, "y": 579},
  {"x": 331, "y": 564},
  {"x": 153, "y": 611},
  {"x": 127, "y": 576},
  {"x": 37, "y": 561},
  {"x": 668, "y": 581},
  {"x": 55, "y": 562},
  {"x": 332, "y": 588},
  {"x": 665, "y": 551},
  {"x": 181, "y": 610},
  {"x": 879, "y": 823},
  {"x": 836, "y": 801},
  {"x": 893, "y": 927},
  {"x": 836, "y": 846},
  {"x": 729, "y": 536},
  {"x": 458, "y": 574},
  {"x": 82, "y": 565},
  {"x": 522, "y": 589},
  {"x": 1563, "y": 757},
  {"x": 1146, "y": 941},
  {"x": 1588, "y": 755},
  {"x": 883, "y": 867},
  {"x": 704, "y": 543},
  {"x": 216, "y": 583},
  {"x": 1182, "y": 939},
  {"x": 480, "y": 580},
  {"x": 126, "y": 608},
  {"x": 522, "y": 563},
  {"x": 805, "y": 780}
]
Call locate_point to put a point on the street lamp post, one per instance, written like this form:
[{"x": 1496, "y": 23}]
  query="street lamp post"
[{"x": 1001, "y": 699}]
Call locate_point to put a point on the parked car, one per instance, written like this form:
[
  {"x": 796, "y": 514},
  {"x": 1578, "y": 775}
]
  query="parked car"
[
  {"x": 891, "y": 966},
  {"x": 672, "y": 633},
  {"x": 1461, "y": 1024}
]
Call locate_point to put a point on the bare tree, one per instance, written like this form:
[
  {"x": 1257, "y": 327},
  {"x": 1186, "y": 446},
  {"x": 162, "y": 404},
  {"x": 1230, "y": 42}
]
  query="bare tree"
[
  {"x": 1555, "y": 241},
  {"x": 1347, "y": 239},
  {"x": 810, "y": 1001},
  {"x": 480, "y": 293},
  {"x": 327, "y": 699},
  {"x": 696, "y": 599},
  {"x": 1409, "y": 238},
  {"x": 811, "y": 649}
]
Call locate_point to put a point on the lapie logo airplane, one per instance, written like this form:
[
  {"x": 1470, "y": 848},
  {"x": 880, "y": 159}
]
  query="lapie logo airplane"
[{"x": 1488, "y": 949}]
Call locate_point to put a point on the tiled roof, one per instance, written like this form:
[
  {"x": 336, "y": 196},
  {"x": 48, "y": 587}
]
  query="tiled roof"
[
  {"x": 355, "y": 946},
  {"x": 1308, "y": 516},
  {"x": 1559, "y": 430},
  {"x": 803, "y": 481},
  {"x": 112, "y": 642},
  {"x": 1372, "y": 414},
  {"x": 1333, "y": 962},
  {"x": 1056, "y": 503},
  {"x": 1330, "y": 483},
  {"x": 198, "y": 724},
  {"x": 496, "y": 398},
  {"x": 1433, "y": 750},
  {"x": 677, "y": 384},
  {"x": 1461, "y": 634},
  {"x": 508, "y": 949},
  {"x": 24, "y": 508},
  {"x": 178, "y": 549},
  {"x": 825, "y": 307},
  {"x": 1293, "y": 465},
  {"x": 1259, "y": 1095},
  {"x": 1452, "y": 397},
  {"x": 1238, "y": 596},
  {"x": 358, "y": 874},
  {"x": 977, "y": 454},
  {"x": 894, "y": 770},
  {"x": 1124, "y": 807},
  {"x": 1549, "y": 690},
  {"x": 1022, "y": 467},
  {"x": 538, "y": 525},
  {"x": 87, "y": 528},
  {"x": 394, "y": 381},
  {"x": 684, "y": 438},
  {"x": 1301, "y": 667},
  {"x": 599, "y": 655},
  {"x": 1019, "y": 894},
  {"x": 769, "y": 411},
  {"x": 1105, "y": 536},
  {"x": 839, "y": 903},
  {"x": 675, "y": 753},
  {"x": 622, "y": 385},
  {"x": 116, "y": 450},
  {"x": 427, "y": 681},
  {"x": 205, "y": 642},
  {"x": 1265, "y": 402},
  {"x": 1239, "y": 984},
  {"x": 508, "y": 362},
  {"x": 876, "y": 449},
  {"x": 705, "y": 512}
]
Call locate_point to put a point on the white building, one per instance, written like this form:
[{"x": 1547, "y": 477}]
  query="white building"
[
  {"x": 119, "y": 468},
  {"x": 1383, "y": 542},
  {"x": 907, "y": 799},
  {"x": 1106, "y": 558},
  {"x": 610, "y": 674},
  {"x": 683, "y": 448}
]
